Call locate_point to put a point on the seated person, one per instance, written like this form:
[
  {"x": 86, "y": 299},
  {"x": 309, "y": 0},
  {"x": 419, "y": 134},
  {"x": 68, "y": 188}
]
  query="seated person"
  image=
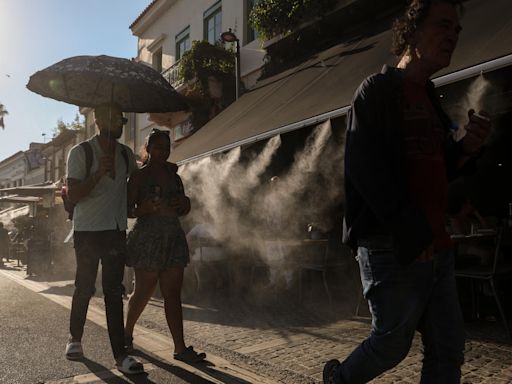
[{"x": 4, "y": 243}]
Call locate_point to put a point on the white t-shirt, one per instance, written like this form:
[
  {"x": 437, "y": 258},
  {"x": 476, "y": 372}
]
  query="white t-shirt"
[{"x": 105, "y": 207}]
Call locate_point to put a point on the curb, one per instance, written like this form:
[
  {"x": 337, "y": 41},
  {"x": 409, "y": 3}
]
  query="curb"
[{"x": 151, "y": 341}]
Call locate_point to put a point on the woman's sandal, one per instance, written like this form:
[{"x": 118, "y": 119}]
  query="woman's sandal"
[
  {"x": 130, "y": 366},
  {"x": 190, "y": 356},
  {"x": 128, "y": 343}
]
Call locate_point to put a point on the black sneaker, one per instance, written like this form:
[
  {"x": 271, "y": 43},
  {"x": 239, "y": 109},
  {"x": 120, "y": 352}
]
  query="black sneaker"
[{"x": 329, "y": 370}]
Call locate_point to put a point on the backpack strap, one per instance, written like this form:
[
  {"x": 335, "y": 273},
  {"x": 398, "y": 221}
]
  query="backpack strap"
[
  {"x": 125, "y": 157},
  {"x": 88, "y": 157}
]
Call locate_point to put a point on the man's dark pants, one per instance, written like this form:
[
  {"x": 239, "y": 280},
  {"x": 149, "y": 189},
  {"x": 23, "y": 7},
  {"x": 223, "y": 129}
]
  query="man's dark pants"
[
  {"x": 403, "y": 299},
  {"x": 90, "y": 248}
]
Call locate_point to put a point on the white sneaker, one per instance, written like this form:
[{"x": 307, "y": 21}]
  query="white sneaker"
[{"x": 74, "y": 350}]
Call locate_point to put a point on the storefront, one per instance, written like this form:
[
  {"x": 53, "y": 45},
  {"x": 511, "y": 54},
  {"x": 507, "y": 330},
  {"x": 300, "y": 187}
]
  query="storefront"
[
  {"x": 292, "y": 126},
  {"x": 36, "y": 214},
  {"x": 288, "y": 106}
]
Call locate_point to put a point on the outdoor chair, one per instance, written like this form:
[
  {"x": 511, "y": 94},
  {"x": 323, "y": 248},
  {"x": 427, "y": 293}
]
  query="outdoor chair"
[
  {"x": 500, "y": 269},
  {"x": 319, "y": 258},
  {"x": 256, "y": 264},
  {"x": 209, "y": 255}
]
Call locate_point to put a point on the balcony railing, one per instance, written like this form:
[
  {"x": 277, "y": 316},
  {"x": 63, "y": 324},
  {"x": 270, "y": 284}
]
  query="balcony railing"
[{"x": 171, "y": 74}]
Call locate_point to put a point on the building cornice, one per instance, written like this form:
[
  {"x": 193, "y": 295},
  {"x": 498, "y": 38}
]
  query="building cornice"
[
  {"x": 152, "y": 12},
  {"x": 156, "y": 43},
  {"x": 12, "y": 158}
]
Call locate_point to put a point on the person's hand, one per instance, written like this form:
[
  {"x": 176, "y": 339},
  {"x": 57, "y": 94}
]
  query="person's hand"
[
  {"x": 148, "y": 206},
  {"x": 180, "y": 204},
  {"x": 106, "y": 164},
  {"x": 426, "y": 255},
  {"x": 477, "y": 131}
]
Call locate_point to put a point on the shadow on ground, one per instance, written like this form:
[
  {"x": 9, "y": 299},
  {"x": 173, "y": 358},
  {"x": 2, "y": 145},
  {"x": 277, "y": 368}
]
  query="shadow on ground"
[{"x": 205, "y": 367}]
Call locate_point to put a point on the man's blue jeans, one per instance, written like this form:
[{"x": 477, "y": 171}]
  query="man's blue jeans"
[{"x": 403, "y": 299}]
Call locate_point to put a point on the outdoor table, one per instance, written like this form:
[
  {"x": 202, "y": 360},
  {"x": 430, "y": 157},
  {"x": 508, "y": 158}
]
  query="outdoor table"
[
  {"x": 478, "y": 235},
  {"x": 301, "y": 255},
  {"x": 293, "y": 249},
  {"x": 479, "y": 247}
]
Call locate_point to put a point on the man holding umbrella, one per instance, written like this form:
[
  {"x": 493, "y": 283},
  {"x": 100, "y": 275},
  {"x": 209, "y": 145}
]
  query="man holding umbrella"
[
  {"x": 99, "y": 224},
  {"x": 110, "y": 85}
]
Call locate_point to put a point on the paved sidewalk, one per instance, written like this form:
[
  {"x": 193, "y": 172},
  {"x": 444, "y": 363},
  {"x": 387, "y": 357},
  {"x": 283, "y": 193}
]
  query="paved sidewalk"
[
  {"x": 288, "y": 342},
  {"x": 291, "y": 344}
]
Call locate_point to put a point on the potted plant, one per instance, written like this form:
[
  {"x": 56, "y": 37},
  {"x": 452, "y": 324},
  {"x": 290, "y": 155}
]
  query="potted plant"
[
  {"x": 211, "y": 65},
  {"x": 280, "y": 17}
]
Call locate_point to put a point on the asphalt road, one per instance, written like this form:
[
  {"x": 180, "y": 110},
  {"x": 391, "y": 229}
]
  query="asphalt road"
[{"x": 33, "y": 333}]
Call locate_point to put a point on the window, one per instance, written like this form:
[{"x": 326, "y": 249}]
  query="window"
[
  {"x": 183, "y": 129},
  {"x": 213, "y": 23},
  {"x": 157, "y": 60},
  {"x": 252, "y": 34},
  {"x": 182, "y": 43}
]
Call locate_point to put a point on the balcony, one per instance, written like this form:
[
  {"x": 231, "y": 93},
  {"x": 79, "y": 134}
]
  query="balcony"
[{"x": 171, "y": 74}]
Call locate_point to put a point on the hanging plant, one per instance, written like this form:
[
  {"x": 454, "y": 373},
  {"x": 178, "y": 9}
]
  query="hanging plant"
[
  {"x": 204, "y": 60},
  {"x": 274, "y": 17}
]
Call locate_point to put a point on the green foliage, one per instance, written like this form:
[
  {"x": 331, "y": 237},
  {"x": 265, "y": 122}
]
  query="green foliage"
[
  {"x": 204, "y": 60},
  {"x": 273, "y": 17},
  {"x": 75, "y": 125},
  {"x": 3, "y": 112}
]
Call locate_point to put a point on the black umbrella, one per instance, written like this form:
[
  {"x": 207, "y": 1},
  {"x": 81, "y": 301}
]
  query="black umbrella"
[{"x": 89, "y": 81}]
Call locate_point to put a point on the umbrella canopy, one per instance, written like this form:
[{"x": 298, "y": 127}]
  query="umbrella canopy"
[{"x": 89, "y": 81}]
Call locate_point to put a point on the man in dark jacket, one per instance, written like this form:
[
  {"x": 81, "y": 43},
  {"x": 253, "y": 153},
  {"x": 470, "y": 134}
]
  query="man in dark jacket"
[{"x": 399, "y": 157}]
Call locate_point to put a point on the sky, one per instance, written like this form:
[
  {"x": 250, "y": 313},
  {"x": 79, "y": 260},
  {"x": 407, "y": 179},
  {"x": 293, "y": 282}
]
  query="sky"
[{"x": 35, "y": 34}]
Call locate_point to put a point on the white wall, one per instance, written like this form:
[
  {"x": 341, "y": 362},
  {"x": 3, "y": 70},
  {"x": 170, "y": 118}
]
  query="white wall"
[
  {"x": 12, "y": 170},
  {"x": 176, "y": 15},
  {"x": 35, "y": 176}
]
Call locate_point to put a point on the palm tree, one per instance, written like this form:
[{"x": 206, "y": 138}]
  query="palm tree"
[{"x": 3, "y": 112}]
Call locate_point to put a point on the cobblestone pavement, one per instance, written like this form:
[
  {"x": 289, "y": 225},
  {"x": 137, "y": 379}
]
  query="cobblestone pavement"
[
  {"x": 289, "y": 341},
  {"x": 291, "y": 344}
]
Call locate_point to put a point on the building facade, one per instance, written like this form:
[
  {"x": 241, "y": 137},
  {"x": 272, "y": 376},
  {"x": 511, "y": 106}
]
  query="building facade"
[
  {"x": 166, "y": 29},
  {"x": 13, "y": 171},
  {"x": 40, "y": 163}
]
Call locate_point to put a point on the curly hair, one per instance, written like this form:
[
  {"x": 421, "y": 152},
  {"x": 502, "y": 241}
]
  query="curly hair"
[{"x": 414, "y": 15}]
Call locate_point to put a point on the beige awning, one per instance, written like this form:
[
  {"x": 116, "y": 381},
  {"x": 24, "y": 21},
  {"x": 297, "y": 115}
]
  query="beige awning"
[
  {"x": 322, "y": 87},
  {"x": 20, "y": 199},
  {"x": 33, "y": 190}
]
